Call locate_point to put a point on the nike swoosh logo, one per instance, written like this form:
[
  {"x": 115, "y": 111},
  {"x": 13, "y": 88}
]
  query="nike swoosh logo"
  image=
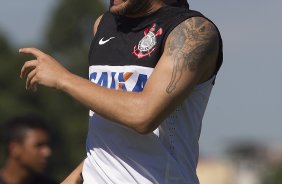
[{"x": 102, "y": 41}]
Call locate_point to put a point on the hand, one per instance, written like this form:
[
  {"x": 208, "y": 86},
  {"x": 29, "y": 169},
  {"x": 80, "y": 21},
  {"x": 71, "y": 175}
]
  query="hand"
[{"x": 44, "y": 70}]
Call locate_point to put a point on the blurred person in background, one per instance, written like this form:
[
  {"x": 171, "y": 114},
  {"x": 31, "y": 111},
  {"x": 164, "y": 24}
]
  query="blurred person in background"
[
  {"x": 26, "y": 140},
  {"x": 152, "y": 69}
]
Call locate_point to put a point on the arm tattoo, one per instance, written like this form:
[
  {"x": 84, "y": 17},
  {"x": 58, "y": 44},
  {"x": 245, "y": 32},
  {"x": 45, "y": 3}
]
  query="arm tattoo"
[{"x": 189, "y": 44}]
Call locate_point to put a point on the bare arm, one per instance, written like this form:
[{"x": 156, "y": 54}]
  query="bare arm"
[
  {"x": 75, "y": 176},
  {"x": 189, "y": 59}
]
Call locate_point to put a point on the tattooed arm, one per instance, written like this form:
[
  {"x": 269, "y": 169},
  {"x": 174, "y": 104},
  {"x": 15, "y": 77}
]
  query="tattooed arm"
[
  {"x": 189, "y": 58},
  {"x": 193, "y": 48}
]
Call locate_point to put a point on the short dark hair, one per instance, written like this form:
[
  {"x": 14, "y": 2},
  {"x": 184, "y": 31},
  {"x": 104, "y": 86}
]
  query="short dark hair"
[{"x": 15, "y": 129}]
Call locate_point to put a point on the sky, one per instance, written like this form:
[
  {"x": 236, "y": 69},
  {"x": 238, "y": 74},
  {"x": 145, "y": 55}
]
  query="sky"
[{"x": 246, "y": 102}]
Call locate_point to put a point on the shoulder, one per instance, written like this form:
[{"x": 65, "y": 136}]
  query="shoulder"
[
  {"x": 195, "y": 40},
  {"x": 195, "y": 29},
  {"x": 96, "y": 24}
]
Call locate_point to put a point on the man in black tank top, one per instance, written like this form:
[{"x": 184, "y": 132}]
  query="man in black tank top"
[{"x": 151, "y": 70}]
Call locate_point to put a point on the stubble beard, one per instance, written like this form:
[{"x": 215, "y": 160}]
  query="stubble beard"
[{"x": 131, "y": 7}]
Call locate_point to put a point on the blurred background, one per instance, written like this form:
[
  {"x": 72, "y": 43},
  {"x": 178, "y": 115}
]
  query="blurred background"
[{"x": 241, "y": 140}]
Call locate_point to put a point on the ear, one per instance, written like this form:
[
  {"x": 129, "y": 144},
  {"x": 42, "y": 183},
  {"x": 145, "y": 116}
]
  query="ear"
[{"x": 15, "y": 148}]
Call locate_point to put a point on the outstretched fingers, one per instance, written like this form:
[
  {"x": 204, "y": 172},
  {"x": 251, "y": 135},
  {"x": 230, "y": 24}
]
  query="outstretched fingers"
[
  {"x": 34, "y": 51},
  {"x": 48, "y": 70}
]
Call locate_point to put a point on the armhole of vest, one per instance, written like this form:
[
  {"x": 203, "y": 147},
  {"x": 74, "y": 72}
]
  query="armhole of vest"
[
  {"x": 100, "y": 24},
  {"x": 166, "y": 36},
  {"x": 220, "y": 51},
  {"x": 94, "y": 38},
  {"x": 179, "y": 21}
]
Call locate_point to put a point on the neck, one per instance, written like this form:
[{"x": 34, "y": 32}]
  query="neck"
[
  {"x": 9, "y": 170},
  {"x": 155, "y": 5}
]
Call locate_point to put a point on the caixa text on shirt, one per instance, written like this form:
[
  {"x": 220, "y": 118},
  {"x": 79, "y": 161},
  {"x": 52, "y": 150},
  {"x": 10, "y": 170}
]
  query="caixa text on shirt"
[{"x": 127, "y": 81}]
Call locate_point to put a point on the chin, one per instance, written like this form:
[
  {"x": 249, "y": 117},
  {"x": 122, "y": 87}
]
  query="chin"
[{"x": 118, "y": 6}]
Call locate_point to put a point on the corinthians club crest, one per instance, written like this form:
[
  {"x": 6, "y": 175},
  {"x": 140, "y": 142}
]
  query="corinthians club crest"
[{"x": 147, "y": 45}]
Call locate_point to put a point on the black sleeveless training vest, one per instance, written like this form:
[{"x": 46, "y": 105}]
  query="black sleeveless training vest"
[{"x": 122, "y": 56}]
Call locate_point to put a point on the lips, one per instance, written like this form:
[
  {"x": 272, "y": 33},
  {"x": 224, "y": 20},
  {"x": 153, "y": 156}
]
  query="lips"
[{"x": 116, "y": 2}]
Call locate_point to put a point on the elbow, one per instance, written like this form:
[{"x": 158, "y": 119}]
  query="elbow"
[
  {"x": 143, "y": 130},
  {"x": 145, "y": 124},
  {"x": 144, "y": 118}
]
